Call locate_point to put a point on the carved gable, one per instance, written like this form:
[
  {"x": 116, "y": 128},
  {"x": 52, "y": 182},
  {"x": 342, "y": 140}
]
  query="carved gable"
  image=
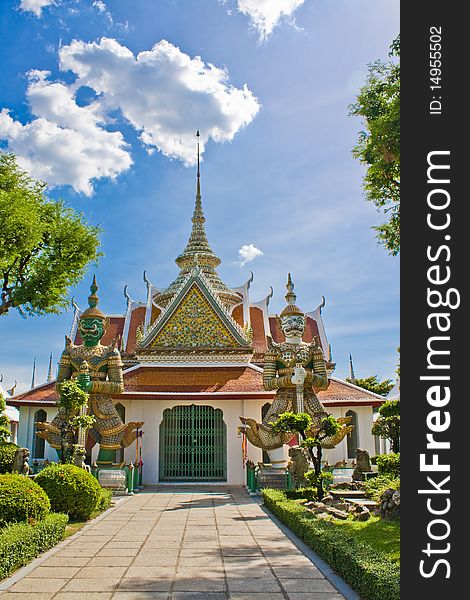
[{"x": 194, "y": 324}]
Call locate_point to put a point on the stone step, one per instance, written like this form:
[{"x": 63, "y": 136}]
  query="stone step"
[
  {"x": 347, "y": 493},
  {"x": 360, "y": 502}
]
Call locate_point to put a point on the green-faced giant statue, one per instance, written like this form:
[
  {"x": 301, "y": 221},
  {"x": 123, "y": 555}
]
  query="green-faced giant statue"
[
  {"x": 102, "y": 379},
  {"x": 296, "y": 370}
]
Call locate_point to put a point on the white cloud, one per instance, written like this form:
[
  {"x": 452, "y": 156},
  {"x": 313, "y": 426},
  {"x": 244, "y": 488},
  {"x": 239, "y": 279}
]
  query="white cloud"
[
  {"x": 99, "y": 5},
  {"x": 247, "y": 253},
  {"x": 65, "y": 144},
  {"x": 35, "y": 6},
  {"x": 265, "y": 14},
  {"x": 164, "y": 93}
]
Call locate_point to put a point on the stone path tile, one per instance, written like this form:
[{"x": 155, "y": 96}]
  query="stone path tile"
[{"x": 175, "y": 544}]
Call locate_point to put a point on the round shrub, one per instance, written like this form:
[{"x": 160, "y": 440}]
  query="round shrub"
[
  {"x": 71, "y": 490},
  {"x": 21, "y": 499},
  {"x": 7, "y": 454}
]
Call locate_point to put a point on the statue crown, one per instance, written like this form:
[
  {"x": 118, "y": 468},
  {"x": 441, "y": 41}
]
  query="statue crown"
[
  {"x": 92, "y": 312},
  {"x": 291, "y": 308}
]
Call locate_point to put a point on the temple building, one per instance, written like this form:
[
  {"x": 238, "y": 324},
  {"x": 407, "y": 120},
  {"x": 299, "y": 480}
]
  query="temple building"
[{"x": 193, "y": 357}]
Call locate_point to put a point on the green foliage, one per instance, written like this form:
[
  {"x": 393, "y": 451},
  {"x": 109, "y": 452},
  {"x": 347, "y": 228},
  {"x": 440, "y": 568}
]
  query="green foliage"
[
  {"x": 104, "y": 500},
  {"x": 20, "y": 542},
  {"x": 71, "y": 395},
  {"x": 71, "y": 399},
  {"x": 388, "y": 423},
  {"x": 21, "y": 499},
  {"x": 372, "y": 573},
  {"x": 45, "y": 246},
  {"x": 292, "y": 422},
  {"x": 7, "y": 454},
  {"x": 85, "y": 421},
  {"x": 373, "y": 384},
  {"x": 378, "y": 146},
  {"x": 376, "y": 486},
  {"x": 389, "y": 464},
  {"x": 4, "y": 421},
  {"x": 71, "y": 490},
  {"x": 308, "y": 493}
]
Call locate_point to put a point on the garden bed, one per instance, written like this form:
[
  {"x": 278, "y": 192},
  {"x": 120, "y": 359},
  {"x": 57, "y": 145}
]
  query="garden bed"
[{"x": 359, "y": 552}]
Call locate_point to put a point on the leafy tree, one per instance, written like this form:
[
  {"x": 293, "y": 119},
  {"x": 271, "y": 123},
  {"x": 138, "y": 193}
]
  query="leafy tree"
[
  {"x": 378, "y": 146},
  {"x": 387, "y": 424},
  {"x": 373, "y": 384},
  {"x": 71, "y": 400},
  {"x": 4, "y": 422},
  {"x": 301, "y": 423},
  {"x": 45, "y": 246}
]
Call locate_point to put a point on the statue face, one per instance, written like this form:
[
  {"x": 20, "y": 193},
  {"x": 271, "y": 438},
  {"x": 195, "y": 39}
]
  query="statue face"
[
  {"x": 91, "y": 331},
  {"x": 293, "y": 325}
]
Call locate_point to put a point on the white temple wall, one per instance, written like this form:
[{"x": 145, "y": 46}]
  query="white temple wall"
[
  {"x": 151, "y": 412},
  {"x": 366, "y": 440},
  {"x": 26, "y": 431}
]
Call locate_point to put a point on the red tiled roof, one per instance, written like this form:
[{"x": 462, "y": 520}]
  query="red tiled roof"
[
  {"x": 237, "y": 314},
  {"x": 257, "y": 323},
  {"x": 137, "y": 318},
  {"x": 194, "y": 379},
  {"x": 156, "y": 382},
  {"x": 342, "y": 393}
]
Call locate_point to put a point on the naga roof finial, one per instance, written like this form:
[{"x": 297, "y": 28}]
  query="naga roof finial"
[{"x": 291, "y": 308}]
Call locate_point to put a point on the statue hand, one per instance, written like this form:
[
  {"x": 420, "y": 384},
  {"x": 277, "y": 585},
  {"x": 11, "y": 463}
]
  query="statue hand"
[
  {"x": 299, "y": 375},
  {"x": 84, "y": 381}
]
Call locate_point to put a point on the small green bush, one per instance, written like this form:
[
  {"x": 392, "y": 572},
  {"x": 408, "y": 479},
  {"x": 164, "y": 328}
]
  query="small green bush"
[
  {"x": 71, "y": 490},
  {"x": 7, "y": 454},
  {"x": 21, "y": 499},
  {"x": 20, "y": 542},
  {"x": 310, "y": 493},
  {"x": 389, "y": 464},
  {"x": 372, "y": 575},
  {"x": 104, "y": 501},
  {"x": 376, "y": 486}
]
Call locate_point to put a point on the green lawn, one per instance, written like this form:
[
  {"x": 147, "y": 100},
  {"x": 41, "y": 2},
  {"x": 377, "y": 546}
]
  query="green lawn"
[{"x": 383, "y": 536}]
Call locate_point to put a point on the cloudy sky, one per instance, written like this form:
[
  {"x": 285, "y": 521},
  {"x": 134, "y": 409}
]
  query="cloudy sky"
[{"x": 101, "y": 99}]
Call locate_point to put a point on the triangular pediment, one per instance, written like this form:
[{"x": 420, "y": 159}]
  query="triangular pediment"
[{"x": 195, "y": 319}]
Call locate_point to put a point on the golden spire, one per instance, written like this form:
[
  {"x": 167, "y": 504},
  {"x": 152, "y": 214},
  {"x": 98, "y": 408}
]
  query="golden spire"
[{"x": 198, "y": 252}]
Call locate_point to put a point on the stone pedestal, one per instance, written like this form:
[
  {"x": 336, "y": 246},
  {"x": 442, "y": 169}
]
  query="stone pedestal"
[
  {"x": 272, "y": 478},
  {"x": 114, "y": 480}
]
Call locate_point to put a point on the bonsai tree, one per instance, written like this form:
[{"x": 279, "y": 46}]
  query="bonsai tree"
[
  {"x": 72, "y": 401},
  {"x": 388, "y": 423},
  {"x": 311, "y": 438}
]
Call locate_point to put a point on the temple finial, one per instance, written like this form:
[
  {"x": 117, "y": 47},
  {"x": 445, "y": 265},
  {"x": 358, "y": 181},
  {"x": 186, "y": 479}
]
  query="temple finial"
[
  {"x": 352, "y": 375},
  {"x": 50, "y": 374},
  {"x": 93, "y": 298},
  {"x": 33, "y": 377},
  {"x": 198, "y": 192},
  {"x": 290, "y": 296}
]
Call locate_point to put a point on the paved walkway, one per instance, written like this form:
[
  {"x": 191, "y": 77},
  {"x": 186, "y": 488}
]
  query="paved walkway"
[{"x": 178, "y": 545}]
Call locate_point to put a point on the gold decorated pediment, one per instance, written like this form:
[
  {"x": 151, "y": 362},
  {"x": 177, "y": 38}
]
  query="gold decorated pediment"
[{"x": 195, "y": 323}]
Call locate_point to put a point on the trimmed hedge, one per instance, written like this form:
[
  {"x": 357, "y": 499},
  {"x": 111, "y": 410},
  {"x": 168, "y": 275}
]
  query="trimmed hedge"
[
  {"x": 71, "y": 490},
  {"x": 104, "y": 501},
  {"x": 389, "y": 464},
  {"x": 20, "y": 542},
  {"x": 7, "y": 454},
  {"x": 21, "y": 499},
  {"x": 374, "y": 577}
]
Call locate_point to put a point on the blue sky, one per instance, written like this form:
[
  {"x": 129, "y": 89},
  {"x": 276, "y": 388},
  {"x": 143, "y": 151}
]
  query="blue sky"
[{"x": 269, "y": 91}]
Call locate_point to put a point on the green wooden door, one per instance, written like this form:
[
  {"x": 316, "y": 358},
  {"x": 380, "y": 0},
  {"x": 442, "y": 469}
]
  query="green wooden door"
[{"x": 193, "y": 444}]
